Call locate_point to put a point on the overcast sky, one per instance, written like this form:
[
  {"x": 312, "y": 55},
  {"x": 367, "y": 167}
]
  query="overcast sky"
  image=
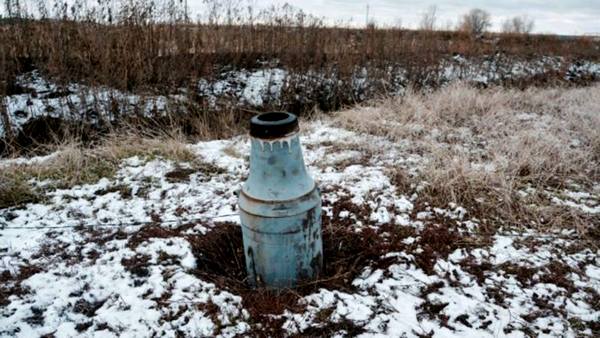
[
  {"x": 568, "y": 17},
  {"x": 551, "y": 16}
]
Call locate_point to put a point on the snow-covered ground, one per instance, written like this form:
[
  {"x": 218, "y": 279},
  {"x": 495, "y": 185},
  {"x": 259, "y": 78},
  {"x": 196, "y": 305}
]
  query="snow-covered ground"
[
  {"x": 40, "y": 97},
  {"x": 83, "y": 263}
]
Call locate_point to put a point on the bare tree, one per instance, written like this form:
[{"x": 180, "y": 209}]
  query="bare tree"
[
  {"x": 12, "y": 7},
  {"x": 476, "y": 22},
  {"x": 518, "y": 25},
  {"x": 429, "y": 18}
]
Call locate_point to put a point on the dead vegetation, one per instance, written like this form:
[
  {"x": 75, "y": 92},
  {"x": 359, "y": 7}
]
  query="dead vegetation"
[
  {"x": 142, "y": 45},
  {"x": 72, "y": 163},
  {"x": 483, "y": 148},
  {"x": 150, "y": 47}
]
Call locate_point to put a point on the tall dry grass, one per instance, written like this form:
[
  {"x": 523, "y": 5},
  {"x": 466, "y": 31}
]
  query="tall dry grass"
[
  {"x": 140, "y": 44},
  {"x": 483, "y": 148},
  {"x": 153, "y": 46}
]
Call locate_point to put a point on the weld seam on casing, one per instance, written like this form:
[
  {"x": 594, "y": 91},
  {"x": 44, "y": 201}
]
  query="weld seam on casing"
[
  {"x": 279, "y": 202},
  {"x": 291, "y": 200}
]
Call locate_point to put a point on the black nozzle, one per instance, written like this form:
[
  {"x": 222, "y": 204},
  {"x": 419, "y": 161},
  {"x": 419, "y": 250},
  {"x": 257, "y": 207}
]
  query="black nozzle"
[{"x": 273, "y": 125}]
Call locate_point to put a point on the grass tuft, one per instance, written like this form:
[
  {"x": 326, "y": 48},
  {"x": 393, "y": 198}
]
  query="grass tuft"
[
  {"x": 483, "y": 147},
  {"x": 73, "y": 164},
  {"x": 14, "y": 191}
]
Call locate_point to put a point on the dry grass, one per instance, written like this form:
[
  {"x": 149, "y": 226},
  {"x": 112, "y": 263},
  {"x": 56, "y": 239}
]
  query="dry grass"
[
  {"x": 483, "y": 146},
  {"x": 74, "y": 164},
  {"x": 40, "y": 134},
  {"x": 14, "y": 190},
  {"x": 152, "y": 45}
]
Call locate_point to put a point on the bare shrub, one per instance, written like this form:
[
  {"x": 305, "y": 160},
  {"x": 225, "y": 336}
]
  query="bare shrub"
[
  {"x": 134, "y": 45},
  {"x": 476, "y": 22},
  {"x": 429, "y": 18},
  {"x": 518, "y": 25}
]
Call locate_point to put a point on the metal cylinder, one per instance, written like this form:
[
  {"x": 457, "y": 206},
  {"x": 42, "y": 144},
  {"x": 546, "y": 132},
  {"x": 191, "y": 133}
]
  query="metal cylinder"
[{"x": 280, "y": 207}]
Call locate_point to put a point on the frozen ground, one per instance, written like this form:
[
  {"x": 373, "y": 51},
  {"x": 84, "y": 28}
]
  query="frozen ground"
[{"x": 115, "y": 258}]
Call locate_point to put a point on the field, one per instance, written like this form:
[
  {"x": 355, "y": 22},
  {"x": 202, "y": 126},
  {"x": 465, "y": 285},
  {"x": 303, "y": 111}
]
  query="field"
[
  {"x": 85, "y": 70},
  {"x": 460, "y": 178}
]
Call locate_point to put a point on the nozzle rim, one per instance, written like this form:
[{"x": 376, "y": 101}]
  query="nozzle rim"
[{"x": 273, "y": 125}]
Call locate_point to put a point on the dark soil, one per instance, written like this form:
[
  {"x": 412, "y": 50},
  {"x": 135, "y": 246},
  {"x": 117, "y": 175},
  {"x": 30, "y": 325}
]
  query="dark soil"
[
  {"x": 83, "y": 326},
  {"x": 10, "y": 285},
  {"x": 37, "y": 316},
  {"x": 137, "y": 265},
  {"x": 182, "y": 175},
  {"x": 148, "y": 232},
  {"x": 347, "y": 253},
  {"x": 179, "y": 175},
  {"x": 87, "y": 308}
]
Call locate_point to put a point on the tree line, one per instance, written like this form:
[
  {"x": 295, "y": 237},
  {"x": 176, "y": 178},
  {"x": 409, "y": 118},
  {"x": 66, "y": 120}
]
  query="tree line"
[{"x": 477, "y": 21}]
